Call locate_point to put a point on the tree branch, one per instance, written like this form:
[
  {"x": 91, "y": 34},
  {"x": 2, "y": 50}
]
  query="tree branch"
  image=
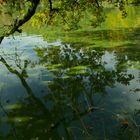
[{"x": 18, "y": 23}]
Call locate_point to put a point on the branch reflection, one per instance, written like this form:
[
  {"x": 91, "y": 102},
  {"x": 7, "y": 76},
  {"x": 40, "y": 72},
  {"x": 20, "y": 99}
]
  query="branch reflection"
[{"x": 80, "y": 97}]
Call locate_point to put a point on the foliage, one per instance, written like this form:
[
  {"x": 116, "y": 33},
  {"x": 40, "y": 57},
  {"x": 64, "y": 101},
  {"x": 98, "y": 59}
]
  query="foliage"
[{"x": 64, "y": 12}]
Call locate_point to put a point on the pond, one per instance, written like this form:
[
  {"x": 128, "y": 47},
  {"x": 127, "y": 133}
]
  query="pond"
[{"x": 71, "y": 90}]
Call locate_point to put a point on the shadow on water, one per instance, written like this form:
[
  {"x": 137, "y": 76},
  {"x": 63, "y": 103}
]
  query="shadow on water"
[{"x": 59, "y": 91}]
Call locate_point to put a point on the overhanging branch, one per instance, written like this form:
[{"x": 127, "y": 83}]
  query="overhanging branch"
[{"x": 18, "y": 23}]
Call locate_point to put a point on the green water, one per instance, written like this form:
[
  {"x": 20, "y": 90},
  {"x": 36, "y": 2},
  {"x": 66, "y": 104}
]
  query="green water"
[{"x": 81, "y": 85}]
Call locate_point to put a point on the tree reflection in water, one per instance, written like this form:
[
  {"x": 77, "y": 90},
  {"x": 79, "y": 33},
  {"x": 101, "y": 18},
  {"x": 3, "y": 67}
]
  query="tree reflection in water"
[{"x": 83, "y": 100}]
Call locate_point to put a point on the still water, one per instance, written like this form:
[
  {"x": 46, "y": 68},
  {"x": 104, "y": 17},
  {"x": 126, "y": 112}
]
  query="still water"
[
  {"x": 72, "y": 90},
  {"x": 59, "y": 91}
]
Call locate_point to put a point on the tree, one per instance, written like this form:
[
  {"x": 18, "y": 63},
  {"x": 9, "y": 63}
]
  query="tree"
[{"x": 69, "y": 11}]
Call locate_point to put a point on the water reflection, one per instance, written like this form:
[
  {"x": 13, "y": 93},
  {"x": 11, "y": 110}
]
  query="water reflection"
[{"x": 59, "y": 91}]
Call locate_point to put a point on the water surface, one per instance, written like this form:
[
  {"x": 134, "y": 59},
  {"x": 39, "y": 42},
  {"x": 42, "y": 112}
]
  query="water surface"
[{"x": 57, "y": 90}]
